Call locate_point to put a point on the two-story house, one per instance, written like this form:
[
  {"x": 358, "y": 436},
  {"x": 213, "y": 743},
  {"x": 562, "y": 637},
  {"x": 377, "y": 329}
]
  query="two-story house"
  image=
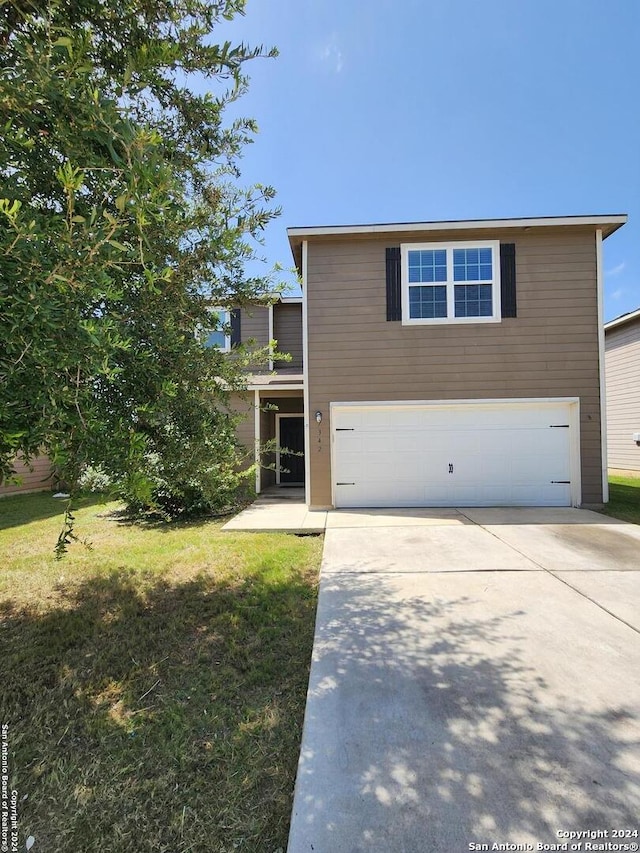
[{"x": 439, "y": 364}]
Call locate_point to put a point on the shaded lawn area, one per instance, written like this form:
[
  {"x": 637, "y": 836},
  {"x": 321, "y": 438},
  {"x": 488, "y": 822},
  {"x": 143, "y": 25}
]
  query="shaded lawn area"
[
  {"x": 155, "y": 686},
  {"x": 624, "y": 498}
]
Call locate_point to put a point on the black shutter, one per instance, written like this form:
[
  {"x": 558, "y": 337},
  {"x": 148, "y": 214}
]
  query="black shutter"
[
  {"x": 235, "y": 327},
  {"x": 394, "y": 290},
  {"x": 508, "y": 279}
]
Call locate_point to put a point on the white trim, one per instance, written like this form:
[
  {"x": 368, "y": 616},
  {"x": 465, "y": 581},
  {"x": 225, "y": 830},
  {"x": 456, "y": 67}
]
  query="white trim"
[
  {"x": 576, "y": 458},
  {"x": 450, "y": 284},
  {"x": 332, "y": 451},
  {"x": 620, "y": 321},
  {"x": 616, "y": 219},
  {"x": 489, "y": 401},
  {"x": 256, "y": 433},
  {"x": 295, "y": 386},
  {"x": 270, "y": 333},
  {"x": 305, "y": 369},
  {"x": 524, "y": 402},
  {"x": 601, "y": 368},
  {"x": 291, "y": 300},
  {"x": 279, "y": 416}
]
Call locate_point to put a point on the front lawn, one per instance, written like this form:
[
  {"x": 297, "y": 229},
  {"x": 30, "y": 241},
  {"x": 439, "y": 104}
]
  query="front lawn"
[
  {"x": 624, "y": 498},
  {"x": 154, "y": 687}
]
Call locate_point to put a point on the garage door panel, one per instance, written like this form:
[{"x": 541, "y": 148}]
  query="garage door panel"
[
  {"x": 412, "y": 441},
  {"x": 547, "y": 495},
  {"x": 465, "y": 454}
]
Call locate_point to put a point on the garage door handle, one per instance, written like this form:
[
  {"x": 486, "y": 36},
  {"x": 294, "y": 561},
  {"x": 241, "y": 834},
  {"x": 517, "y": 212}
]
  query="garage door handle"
[
  {"x": 564, "y": 482},
  {"x": 451, "y": 467},
  {"x": 558, "y": 426},
  {"x": 345, "y": 429},
  {"x": 345, "y": 484}
]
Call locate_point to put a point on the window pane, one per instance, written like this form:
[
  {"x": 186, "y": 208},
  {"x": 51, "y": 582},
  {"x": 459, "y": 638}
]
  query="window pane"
[
  {"x": 427, "y": 303},
  {"x": 472, "y": 265},
  {"x": 215, "y": 339},
  {"x": 427, "y": 265},
  {"x": 473, "y": 300},
  {"x": 473, "y": 272}
]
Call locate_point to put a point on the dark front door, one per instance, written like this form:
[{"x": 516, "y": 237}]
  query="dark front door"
[{"x": 291, "y": 438}]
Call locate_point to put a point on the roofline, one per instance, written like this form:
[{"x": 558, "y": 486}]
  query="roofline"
[
  {"x": 622, "y": 319},
  {"x": 614, "y": 221}
]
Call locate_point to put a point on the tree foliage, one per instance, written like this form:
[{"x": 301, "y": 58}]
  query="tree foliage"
[{"x": 122, "y": 224}]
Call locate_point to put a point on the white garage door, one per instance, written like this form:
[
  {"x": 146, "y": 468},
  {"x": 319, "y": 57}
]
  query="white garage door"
[{"x": 464, "y": 454}]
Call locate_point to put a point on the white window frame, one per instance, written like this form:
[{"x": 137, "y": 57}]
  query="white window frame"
[
  {"x": 405, "y": 248},
  {"x": 225, "y": 322}
]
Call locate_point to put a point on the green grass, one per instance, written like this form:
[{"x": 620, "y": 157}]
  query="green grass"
[
  {"x": 154, "y": 686},
  {"x": 624, "y": 498}
]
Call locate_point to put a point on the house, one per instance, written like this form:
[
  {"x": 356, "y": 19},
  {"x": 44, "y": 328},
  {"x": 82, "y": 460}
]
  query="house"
[
  {"x": 622, "y": 368},
  {"x": 438, "y": 364},
  {"x": 37, "y": 477}
]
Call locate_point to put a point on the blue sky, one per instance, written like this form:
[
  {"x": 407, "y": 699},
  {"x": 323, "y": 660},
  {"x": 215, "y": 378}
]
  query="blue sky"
[{"x": 414, "y": 110}]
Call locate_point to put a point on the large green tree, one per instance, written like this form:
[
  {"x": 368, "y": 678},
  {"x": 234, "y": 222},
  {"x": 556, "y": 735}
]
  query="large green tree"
[{"x": 122, "y": 224}]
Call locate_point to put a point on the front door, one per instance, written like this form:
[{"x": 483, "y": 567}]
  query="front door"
[{"x": 291, "y": 438}]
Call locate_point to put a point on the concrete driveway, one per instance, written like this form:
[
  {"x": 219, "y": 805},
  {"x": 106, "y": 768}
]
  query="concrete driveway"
[{"x": 475, "y": 680}]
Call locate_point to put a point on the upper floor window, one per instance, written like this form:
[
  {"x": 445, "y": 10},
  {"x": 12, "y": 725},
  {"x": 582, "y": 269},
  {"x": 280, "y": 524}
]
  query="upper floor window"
[
  {"x": 451, "y": 282},
  {"x": 217, "y": 335}
]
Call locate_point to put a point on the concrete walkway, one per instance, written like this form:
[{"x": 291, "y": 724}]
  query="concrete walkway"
[
  {"x": 279, "y": 510},
  {"x": 474, "y": 681}
]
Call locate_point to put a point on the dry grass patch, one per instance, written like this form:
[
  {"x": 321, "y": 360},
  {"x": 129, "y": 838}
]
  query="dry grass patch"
[{"x": 155, "y": 685}]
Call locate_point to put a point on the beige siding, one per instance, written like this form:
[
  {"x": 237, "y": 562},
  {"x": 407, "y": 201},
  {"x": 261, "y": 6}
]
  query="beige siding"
[
  {"x": 254, "y": 332},
  {"x": 549, "y": 350},
  {"x": 243, "y": 405},
  {"x": 254, "y": 325},
  {"x": 287, "y": 330},
  {"x": 37, "y": 480},
  {"x": 622, "y": 361}
]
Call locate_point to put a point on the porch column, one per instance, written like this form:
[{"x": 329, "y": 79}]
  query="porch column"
[{"x": 257, "y": 438}]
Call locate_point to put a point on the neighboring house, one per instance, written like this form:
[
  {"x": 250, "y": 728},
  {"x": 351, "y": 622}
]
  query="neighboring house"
[
  {"x": 37, "y": 477},
  {"x": 439, "y": 364},
  {"x": 622, "y": 361}
]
